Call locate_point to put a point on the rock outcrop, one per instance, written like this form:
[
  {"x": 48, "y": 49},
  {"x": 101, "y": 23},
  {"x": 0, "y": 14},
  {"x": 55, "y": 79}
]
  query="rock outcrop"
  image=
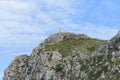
[
  {"x": 17, "y": 69},
  {"x": 69, "y": 56},
  {"x": 57, "y": 37}
]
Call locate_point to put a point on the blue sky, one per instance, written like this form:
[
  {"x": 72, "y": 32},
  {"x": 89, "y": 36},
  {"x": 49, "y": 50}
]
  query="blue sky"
[{"x": 26, "y": 23}]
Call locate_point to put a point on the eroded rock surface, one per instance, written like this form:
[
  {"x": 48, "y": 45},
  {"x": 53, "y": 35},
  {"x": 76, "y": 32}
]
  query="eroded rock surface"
[{"x": 48, "y": 62}]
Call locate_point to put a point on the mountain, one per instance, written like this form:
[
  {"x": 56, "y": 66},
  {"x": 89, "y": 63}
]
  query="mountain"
[{"x": 69, "y": 56}]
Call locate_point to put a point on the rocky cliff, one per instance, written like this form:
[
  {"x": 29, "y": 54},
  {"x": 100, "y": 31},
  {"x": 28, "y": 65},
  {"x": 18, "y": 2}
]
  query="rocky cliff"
[{"x": 69, "y": 56}]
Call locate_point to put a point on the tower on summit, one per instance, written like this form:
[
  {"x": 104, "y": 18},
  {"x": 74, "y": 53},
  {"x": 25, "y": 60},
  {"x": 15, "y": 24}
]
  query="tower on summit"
[{"x": 60, "y": 30}]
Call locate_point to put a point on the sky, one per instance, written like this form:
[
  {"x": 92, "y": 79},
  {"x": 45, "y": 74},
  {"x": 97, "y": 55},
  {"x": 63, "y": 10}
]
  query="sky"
[{"x": 24, "y": 24}]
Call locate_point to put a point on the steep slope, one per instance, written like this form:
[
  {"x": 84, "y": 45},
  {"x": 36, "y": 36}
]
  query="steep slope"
[{"x": 69, "y": 56}]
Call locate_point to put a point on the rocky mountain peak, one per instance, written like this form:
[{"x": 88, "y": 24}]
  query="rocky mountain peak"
[
  {"x": 114, "y": 43},
  {"x": 17, "y": 68},
  {"x": 57, "y": 37},
  {"x": 117, "y": 36},
  {"x": 68, "y": 56}
]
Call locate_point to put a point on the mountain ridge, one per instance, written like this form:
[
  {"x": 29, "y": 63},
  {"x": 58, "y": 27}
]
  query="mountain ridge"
[{"x": 68, "y": 56}]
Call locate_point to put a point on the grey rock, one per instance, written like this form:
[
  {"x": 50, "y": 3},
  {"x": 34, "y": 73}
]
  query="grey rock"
[
  {"x": 16, "y": 70},
  {"x": 51, "y": 65},
  {"x": 57, "y": 37}
]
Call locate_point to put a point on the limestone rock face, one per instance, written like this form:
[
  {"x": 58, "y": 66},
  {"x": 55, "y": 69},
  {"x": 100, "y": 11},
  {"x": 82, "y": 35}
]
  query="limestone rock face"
[
  {"x": 57, "y": 37},
  {"x": 56, "y": 56},
  {"x": 86, "y": 59},
  {"x": 17, "y": 69}
]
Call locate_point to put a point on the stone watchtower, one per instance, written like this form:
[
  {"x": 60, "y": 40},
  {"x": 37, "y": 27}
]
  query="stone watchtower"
[{"x": 60, "y": 30}]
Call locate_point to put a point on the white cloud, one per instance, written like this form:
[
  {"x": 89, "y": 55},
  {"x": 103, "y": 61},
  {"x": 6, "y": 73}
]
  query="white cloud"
[
  {"x": 100, "y": 31},
  {"x": 23, "y": 22},
  {"x": 111, "y": 5},
  {"x": 59, "y": 3},
  {"x": 14, "y": 4},
  {"x": 92, "y": 30}
]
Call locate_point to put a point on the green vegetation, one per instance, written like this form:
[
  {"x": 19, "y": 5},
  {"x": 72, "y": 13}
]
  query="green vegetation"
[
  {"x": 72, "y": 77},
  {"x": 97, "y": 75},
  {"x": 59, "y": 68},
  {"x": 66, "y": 46}
]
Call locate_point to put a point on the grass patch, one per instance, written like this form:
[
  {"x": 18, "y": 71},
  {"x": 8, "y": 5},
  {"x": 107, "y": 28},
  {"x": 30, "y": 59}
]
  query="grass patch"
[{"x": 66, "y": 46}]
